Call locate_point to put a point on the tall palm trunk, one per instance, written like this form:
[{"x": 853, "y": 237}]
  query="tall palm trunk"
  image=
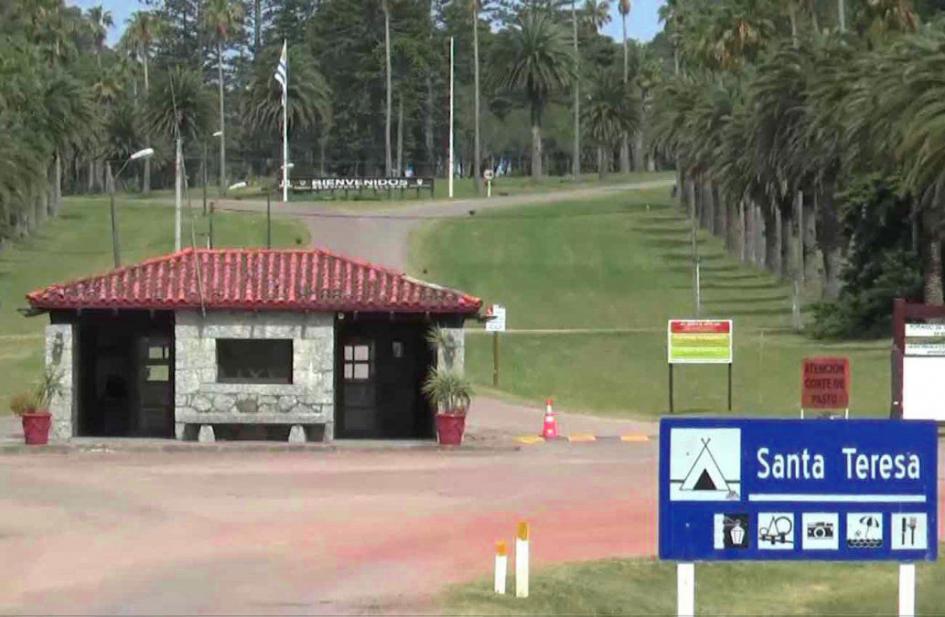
[
  {"x": 576, "y": 148},
  {"x": 625, "y": 138},
  {"x": 932, "y": 258},
  {"x": 842, "y": 15},
  {"x": 257, "y": 28},
  {"x": 400, "y": 135},
  {"x": 146, "y": 187},
  {"x": 387, "y": 115},
  {"x": 601, "y": 171},
  {"x": 477, "y": 152},
  {"x": 772, "y": 239},
  {"x": 829, "y": 239},
  {"x": 57, "y": 184},
  {"x": 537, "y": 152},
  {"x": 430, "y": 167},
  {"x": 222, "y": 121}
]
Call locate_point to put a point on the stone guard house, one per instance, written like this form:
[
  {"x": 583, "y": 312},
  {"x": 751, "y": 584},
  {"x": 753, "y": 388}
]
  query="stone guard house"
[{"x": 247, "y": 344}]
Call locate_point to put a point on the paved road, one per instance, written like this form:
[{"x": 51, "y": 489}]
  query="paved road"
[
  {"x": 381, "y": 234},
  {"x": 302, "y": 532}
]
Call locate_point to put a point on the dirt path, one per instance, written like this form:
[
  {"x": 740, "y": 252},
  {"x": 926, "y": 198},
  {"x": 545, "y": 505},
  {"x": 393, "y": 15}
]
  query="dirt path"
[
  {"x": 303, "y": 532},
  {"x": 381, "y": 234}
]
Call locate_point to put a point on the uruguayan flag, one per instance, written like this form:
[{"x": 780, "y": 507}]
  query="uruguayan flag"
[{"x": 282, "y": 70}]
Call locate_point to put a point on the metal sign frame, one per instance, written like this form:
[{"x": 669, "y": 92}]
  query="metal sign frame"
[
  {"x": 719, "y": 502},
  {"x": 729, "y": 361}
]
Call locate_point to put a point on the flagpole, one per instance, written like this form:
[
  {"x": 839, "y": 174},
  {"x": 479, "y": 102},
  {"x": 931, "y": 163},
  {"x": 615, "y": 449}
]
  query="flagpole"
[
  {"x": 450, "y": 157},
  {"x": 285, "y": 130}
]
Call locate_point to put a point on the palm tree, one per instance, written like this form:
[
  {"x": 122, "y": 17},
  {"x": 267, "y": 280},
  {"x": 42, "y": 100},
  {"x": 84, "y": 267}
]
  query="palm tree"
[
  {"x": 477, "y": 152},
  {"x": 576, "y": 149},
  {"x": 309, "y": 97},
  {"x": 388, "y": 160},
  {"x": 611, "y": 111},
  {"x": 223, "y": 19},
  {"x": 142, "y": 29},
  {"x": 597, "y": 13},
  {"x": 624, "y": 7},
  {"x": 99, "y": 21},
  {"x": 179, "y": 109},
  {"x": 532, "y": 60},
  {"x": 68, "y": 117}
]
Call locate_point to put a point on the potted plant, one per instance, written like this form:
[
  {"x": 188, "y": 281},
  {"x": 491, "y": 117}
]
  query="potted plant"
[
  {"x": 450, "y": 393},
  {"x": 33, "y": 408}
]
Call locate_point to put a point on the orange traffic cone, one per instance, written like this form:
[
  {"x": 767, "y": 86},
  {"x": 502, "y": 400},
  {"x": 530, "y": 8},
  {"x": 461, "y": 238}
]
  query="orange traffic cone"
[{"x": 549, "y": 427}]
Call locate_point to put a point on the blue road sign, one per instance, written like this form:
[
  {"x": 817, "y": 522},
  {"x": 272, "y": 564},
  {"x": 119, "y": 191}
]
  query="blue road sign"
[{"x": 832, "y": 490}]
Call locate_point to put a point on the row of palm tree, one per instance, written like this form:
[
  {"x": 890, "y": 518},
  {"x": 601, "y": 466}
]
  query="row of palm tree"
[{"x": 777, "y": 108}]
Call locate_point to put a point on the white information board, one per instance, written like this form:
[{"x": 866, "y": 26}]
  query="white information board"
[
  {"x": 497, "y": 323},
  {"x": 923, "y": 388}
]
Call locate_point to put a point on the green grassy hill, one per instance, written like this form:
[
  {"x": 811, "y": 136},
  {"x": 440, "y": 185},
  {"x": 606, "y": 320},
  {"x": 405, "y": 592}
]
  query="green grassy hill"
[
  {"x": 78, "y": 243},
  {"x": 623, "y": 263}
]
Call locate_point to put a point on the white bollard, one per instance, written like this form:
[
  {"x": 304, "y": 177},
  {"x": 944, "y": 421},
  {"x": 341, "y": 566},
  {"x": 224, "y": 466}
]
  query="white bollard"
[
  {"x": 907, "y": 590},
  {"x": 685, "y": 589},
  {"x": 501, "y": 566},
  {"x": 521, "y": 561}
]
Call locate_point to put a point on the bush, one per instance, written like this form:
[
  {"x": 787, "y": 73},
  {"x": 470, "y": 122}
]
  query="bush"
[{"x": 881, "y": 262}]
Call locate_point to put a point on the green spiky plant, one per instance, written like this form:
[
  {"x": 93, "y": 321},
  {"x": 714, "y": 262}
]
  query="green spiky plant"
[{"x": 448, "y": 391}]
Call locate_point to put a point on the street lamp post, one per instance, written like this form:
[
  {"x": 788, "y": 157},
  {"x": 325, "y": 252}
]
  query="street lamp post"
[{"x": 139, "y": 155}]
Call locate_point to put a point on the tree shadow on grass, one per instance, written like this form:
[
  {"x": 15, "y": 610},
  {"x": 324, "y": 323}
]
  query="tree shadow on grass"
[
  {"x": 741, "y": 287},
  {"x": 747, "y": 300}
]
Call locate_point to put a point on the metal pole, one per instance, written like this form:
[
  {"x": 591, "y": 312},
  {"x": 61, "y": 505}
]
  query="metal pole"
[
  {"x": 495, "y": 359},
  {"x": 685, "y": 589},
  {"x": 671, "y": 388},
  {"x": 698, "y": 287},
  {"x": 178, "y": 197},
  {"x": 210, "y": 231},
  {"x": 268, "y": 220},
  {"x": 115, "y": 250},
  {"x": 285, "y": 133},
  {"x": 730, "y": 385},
  {"x": 205, "y": 178},
  {"x": 450, "y": 155}
]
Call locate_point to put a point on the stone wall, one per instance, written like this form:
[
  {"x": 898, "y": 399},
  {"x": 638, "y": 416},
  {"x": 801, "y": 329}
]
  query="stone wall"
[
  {"x": 455, "y": 359},
  {"x": 200, "y": 400},
  {"x": 60, "y": 357}
]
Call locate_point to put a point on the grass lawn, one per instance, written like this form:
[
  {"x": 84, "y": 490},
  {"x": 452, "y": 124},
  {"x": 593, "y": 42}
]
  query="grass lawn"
[
  {"x": 623, "y": 263},
  {"x": 648, "y": 587},
  {"x": 78, "y": 243},
  {"x": 462, "y": 188}
]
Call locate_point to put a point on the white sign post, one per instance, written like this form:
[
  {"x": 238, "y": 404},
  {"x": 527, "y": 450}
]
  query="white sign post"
[
  {"x": 495, "y": 324},
  {"x": 686, "y": 589},
  {"x": 488, "y": 175},
  {"x": 907, "y": 590}
]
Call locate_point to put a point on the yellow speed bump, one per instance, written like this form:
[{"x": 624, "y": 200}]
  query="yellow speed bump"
[
  {"x": 581, "y": 437},
  {"x": 530, "y": 439},
  {"x": 638, "y": 438}
]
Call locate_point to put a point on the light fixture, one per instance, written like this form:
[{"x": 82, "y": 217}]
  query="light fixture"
[{"x": 142, "y": 154}]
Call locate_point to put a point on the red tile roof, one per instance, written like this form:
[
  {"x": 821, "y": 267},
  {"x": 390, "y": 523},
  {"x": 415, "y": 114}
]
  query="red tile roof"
[{"x": 255, "y": 279}]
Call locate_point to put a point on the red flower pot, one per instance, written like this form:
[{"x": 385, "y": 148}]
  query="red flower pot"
[
  {"x": 36, "y": 428},
  {"x": 449, "y": 428}
]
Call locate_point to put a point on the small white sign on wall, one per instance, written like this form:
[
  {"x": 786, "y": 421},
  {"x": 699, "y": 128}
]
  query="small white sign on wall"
[{"x": 497, "y": 322}]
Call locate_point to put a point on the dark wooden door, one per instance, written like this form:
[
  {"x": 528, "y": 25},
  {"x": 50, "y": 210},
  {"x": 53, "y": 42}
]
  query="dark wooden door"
[
  {"x": 382, "y": 366},
  {"x": 155, "y": 416},
  {"x": 359, "y": 388}
]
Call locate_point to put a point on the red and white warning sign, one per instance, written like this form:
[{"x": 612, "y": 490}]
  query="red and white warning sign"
[{"x": 825, "y": 383}]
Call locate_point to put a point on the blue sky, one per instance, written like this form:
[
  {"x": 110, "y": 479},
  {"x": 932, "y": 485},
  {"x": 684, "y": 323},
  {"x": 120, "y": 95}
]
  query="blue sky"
[{"x": 642, "y": 25}]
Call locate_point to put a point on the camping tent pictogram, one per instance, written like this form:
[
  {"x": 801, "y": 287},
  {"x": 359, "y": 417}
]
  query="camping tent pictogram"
[{"x": 705, "y": 474}]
